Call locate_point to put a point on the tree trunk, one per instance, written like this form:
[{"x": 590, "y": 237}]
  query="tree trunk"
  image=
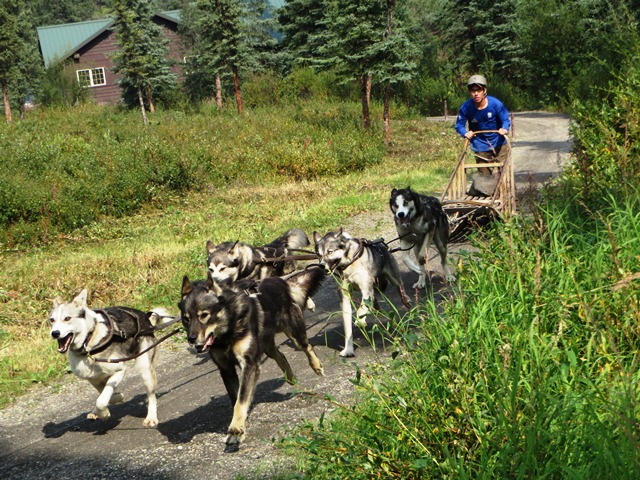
[
  {"x": 385, "y": 115},
  {"x": 152, "y": 107},
  {"x": 365, "y": 83},
  {"x": 218, "y": 91},
  {"x": 142, "y": 109},
  {"x": 236, "y": 86},
  {"x": 7, "y": 105}
]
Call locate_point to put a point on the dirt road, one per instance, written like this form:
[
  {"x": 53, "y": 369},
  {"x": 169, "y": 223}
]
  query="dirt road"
[{"x": 46, "y": 435}]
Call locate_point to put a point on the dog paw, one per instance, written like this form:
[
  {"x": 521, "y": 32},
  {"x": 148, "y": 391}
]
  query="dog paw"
[
  {"x": 360, "y": 321},
  {"x": 99, "y": 415},
  {"x": 235, "y": 436},
  {"x": 150, "y": 422},
  {"x": 311, "y": 306},
  {"x": 347, "y": 352},
  {"x": 420, "y": 284},
  {"x": 116, "y": 398}
]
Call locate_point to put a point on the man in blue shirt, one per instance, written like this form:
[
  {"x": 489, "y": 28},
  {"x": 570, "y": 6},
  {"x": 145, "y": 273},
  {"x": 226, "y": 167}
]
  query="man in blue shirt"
[{"x": 483, "y": 112}]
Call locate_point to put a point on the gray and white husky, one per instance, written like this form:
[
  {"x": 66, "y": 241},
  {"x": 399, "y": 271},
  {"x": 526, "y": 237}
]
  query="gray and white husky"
[
  {"x": 237, "y": 323},
  {"x": 111, "y": 333},
  {"x": 233, "y": 261},
  {"x": 360, "y": 263},
  {"x": 420, "y": 221}
]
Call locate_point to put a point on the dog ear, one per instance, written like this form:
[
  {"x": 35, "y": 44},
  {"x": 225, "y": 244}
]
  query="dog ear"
[
  {"x": 81, "y": 298},
  {"x": 209, "y": 283},
  {"x": 233, "y": 248},
  {"x": 394, "y": 191},
  {"x": 187, "y": 286},
  {"x": 409, "y": 188},
  {"x": 210, "y": 246},
  {"x": 57, "y": 302}
]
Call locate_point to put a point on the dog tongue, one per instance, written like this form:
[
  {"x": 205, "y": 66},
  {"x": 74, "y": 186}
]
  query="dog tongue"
[
  {"x": 208, "y": 343},
  {"x": 63, "y": 343}
]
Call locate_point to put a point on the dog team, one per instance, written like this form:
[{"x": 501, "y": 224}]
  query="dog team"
[{"x": 250, "y": 294}]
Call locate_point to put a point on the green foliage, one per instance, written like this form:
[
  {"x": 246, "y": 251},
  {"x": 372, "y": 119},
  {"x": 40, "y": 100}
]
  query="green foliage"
[
  {"x": 141, "y": 55},
  {"x": 532, "y": 373},
  {"x": 59, "y": 87},
  {"x": 608, "y": 134},
  {"x": 65, "y": 169},
  {"x": 302, "y": 84},
  {"x": 19, "y": 60}
]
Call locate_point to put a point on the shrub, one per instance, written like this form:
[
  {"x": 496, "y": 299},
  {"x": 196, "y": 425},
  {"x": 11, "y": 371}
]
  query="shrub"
[{"x": 66, "y": 168}]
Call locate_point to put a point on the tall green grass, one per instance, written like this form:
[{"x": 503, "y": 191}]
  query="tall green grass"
[{"x": 530, "y": 371}]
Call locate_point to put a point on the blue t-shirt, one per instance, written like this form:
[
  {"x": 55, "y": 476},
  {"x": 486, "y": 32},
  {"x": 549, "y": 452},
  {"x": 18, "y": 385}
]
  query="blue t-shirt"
[{"x": 493, "y": 117}]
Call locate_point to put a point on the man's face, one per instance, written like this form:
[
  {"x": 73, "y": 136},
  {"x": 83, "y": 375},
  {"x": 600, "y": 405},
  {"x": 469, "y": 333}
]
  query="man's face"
[{"x": 477, "y": 93}]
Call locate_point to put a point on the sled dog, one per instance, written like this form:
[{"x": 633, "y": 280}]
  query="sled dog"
[
  {"x": 233, "y": 261},
  {"x": 110, "y": 333},
  {"x": 420, "y": 221},
  {"x": 357, "y": 263},
  {"x": 236, "y": 324}
]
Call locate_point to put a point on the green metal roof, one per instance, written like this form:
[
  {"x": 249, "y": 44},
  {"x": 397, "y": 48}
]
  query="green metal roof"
[
  {"x": 58, "y": 42},
  {"x": 173, "y": 15}
]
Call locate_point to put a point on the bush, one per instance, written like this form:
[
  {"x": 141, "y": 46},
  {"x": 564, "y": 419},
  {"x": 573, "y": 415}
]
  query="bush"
[{"x": 63, "y": 169}]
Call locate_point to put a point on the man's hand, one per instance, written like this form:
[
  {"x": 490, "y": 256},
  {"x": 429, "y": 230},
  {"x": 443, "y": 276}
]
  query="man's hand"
[
  {"x": 469, "y": 135},
  {"x": 502, "y": 131}
]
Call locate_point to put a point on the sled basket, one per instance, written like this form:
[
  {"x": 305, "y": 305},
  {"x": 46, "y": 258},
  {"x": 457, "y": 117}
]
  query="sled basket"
[{"x": 468, "y": 212}]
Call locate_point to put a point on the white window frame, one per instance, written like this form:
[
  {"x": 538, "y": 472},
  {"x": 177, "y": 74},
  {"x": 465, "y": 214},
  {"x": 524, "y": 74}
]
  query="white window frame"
[{"x": 94, "y": 76}]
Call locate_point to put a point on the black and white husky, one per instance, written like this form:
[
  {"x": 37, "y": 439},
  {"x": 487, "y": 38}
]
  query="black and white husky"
[
  {"x": 108, "y": 333},
  {"x": 420, "y": 221},
  {"x": 360, "y": 263},
  {"x": 237, "y": 323}
]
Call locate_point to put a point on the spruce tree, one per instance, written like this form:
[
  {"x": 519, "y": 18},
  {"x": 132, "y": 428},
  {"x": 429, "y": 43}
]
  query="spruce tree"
[
  {"x": 220, "y": 43},
  {"x": 302, "y": 23},
  {"x": 19, "y": 60},
  {"x": 141, "y": 55}
]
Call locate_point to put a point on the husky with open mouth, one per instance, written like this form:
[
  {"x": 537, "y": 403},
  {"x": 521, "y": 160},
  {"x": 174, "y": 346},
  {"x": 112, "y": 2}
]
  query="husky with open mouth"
[
  {"x": 237, "y": 323},
  {"x": 420, "y": 221},
  {"x": 111, "y": 333}
]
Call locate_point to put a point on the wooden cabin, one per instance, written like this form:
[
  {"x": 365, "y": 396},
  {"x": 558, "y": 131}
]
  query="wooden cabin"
[{"x": 89, "y": 45}]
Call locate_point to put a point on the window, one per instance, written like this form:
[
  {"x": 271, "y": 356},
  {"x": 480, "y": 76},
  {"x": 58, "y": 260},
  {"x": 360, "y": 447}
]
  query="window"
[{"x": 93, "y": 77}]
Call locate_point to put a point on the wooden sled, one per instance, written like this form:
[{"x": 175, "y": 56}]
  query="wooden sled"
[{"x": 468, "y": 213}]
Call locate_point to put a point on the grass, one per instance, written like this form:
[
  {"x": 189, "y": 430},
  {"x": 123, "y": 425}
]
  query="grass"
[
  {"x": 531, "y": 370},
  {"x": 139, "y": 259}
]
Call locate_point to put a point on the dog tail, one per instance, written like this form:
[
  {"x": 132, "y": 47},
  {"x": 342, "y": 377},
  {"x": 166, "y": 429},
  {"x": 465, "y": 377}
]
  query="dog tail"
[
  {"x": 158, "y": 316},
  {"x": 305, "y": 284},
  {"x": 296, "y": 238}
]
